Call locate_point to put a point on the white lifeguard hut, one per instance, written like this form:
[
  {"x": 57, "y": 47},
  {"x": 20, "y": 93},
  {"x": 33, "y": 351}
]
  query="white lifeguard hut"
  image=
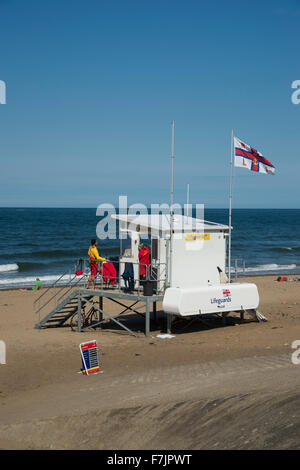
[{"x": 188, "y": 260}]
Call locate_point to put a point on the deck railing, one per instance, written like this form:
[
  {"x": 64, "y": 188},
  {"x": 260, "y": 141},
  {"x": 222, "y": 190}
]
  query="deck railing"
[
  {"x": 69, "y": 281},
  {"x": 117, "y": 282}
]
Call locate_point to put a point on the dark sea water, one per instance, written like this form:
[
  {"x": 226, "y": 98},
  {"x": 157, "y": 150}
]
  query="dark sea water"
[{"x": 44, "y": 243}]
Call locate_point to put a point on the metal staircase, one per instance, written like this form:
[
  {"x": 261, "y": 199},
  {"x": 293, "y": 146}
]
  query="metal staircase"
[
  {"x": 67, "y": 302},
  {"x": 59, "y": 315},
  {"x": 59, "y": 301}
]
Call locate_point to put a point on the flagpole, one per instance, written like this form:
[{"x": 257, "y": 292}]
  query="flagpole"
[
  {"x": 171, "y": 203},
  {"x": 230, "y": 209}
]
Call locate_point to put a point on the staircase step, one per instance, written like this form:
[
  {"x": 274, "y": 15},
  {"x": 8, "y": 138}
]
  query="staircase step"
[
  {"x": 61, "y": 317},
  {"x": 57, "y": 320},
  {"x": 52, "y": 320},
  {"x": 64, "y": 312},
  {"x": 68, "y": 306},
  {"x": 70, "y": 303}
]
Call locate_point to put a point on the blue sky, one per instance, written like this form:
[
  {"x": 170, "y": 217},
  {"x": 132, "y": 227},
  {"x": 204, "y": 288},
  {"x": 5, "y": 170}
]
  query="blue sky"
[{"x": 92, "y": 88}]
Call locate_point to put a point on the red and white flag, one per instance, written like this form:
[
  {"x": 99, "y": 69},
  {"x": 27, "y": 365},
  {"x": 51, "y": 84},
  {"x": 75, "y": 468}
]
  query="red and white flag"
[{"x": 247, "y": 157}]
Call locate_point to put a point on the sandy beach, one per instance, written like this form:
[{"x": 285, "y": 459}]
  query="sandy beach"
[{"x": 208, "y": 387}]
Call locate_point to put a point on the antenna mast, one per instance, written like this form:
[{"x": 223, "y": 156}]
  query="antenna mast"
[
  {"x": 171, "y": 202},
  {"x": 187, "y": 198}
]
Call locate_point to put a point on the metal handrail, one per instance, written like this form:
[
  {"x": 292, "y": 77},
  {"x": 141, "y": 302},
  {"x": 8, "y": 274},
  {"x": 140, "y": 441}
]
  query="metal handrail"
[
  {"x": 52, "y": 285},
  {"x": 236, "y": 266},
  {"x": 61, "y": 287},
  {"x": 71, "y": 286}
]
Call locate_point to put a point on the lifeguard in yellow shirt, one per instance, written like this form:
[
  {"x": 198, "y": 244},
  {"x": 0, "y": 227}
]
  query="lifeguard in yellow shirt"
[{"x": 94, "y": 258}]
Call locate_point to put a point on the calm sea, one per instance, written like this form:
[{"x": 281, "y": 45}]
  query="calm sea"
[{"x": 44, "y": 243}]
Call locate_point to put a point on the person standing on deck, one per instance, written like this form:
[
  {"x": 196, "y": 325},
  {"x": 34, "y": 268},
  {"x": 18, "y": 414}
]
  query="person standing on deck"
[
  {"x": 94, "y": 258},
  {"x": 144, "y": 259}
]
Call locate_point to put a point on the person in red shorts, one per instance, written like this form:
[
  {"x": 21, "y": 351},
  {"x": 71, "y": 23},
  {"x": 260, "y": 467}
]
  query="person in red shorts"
[{"x": 94, "y": 258}]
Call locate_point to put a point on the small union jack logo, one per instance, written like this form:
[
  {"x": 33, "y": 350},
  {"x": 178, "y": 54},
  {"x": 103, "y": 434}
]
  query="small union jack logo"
[{"x": 226, "y": 292}]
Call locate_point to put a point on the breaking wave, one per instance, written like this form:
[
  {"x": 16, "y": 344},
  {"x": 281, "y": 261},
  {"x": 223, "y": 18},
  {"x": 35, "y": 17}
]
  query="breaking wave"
[
  {"x": 29, "y": 281},
  {"x": 5, "y": 268},
  {"x": 269, "y": 267}
]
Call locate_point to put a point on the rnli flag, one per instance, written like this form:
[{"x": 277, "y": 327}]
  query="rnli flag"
[{"x": 247, "y": 157}]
